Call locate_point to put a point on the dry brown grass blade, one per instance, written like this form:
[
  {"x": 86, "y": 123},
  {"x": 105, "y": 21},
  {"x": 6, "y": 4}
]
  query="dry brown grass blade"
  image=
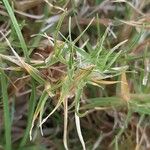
[
  {"x": 125, "y": 90},
  {"x": 131, "y": 5},
  {"x": 55, "y": 7},
  {"x": 104, "y": 82},
  {"x": 139, "y": 24}
]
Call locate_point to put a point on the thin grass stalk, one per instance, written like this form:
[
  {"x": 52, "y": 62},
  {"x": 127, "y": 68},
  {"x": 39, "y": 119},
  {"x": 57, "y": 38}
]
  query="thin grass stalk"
[
  {"x": 32, "y": 103},
  {"x": 7, "y": 120}
]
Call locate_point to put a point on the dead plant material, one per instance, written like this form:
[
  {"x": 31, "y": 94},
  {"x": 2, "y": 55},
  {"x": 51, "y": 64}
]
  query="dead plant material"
[
  {"x": 26, "y": 4},
  {"x": 125, "y": 90}
]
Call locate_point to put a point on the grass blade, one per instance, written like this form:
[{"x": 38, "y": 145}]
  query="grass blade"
[
  {"x": 78, "y": 127},
  {"x": 39, "y": 108},
  {"x": 65, "y": 124},
  {"x": 17, "y": 28},
  {"x": 7, "y": 121},
  {"x": 32, "y": 103}
]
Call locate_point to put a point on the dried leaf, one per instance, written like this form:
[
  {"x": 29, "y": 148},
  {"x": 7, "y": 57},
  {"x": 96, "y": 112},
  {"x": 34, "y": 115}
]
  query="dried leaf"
[{"x": 125, "y": 90}]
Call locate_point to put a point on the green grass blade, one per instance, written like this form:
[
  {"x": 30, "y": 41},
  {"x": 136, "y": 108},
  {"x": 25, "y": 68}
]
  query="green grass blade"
[
  {"x": 7, "y": 121},
  {"x": 103, "y": 102},
  {"x": 77, "y": 39},
  {"x": 39, "y": 109},
  {"x": 111, "y": 52},
  {"x": 32, "y": 103},
  {"x": 57, "y": 30},
  {"x": 81, "y": 51},
  {"x": 17, "y": 28},
  {"x": 113, "y": 60}
]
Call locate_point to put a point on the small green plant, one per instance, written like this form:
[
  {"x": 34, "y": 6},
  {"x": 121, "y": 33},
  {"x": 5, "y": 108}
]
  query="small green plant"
[{"x": 76, "y": 73}]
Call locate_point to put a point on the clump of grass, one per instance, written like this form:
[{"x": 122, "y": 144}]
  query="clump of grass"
[{"x": 90, "y": 70}]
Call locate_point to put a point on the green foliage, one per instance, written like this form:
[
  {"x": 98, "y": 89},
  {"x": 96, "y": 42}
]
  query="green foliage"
[{"x": 74, "y": 74}]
